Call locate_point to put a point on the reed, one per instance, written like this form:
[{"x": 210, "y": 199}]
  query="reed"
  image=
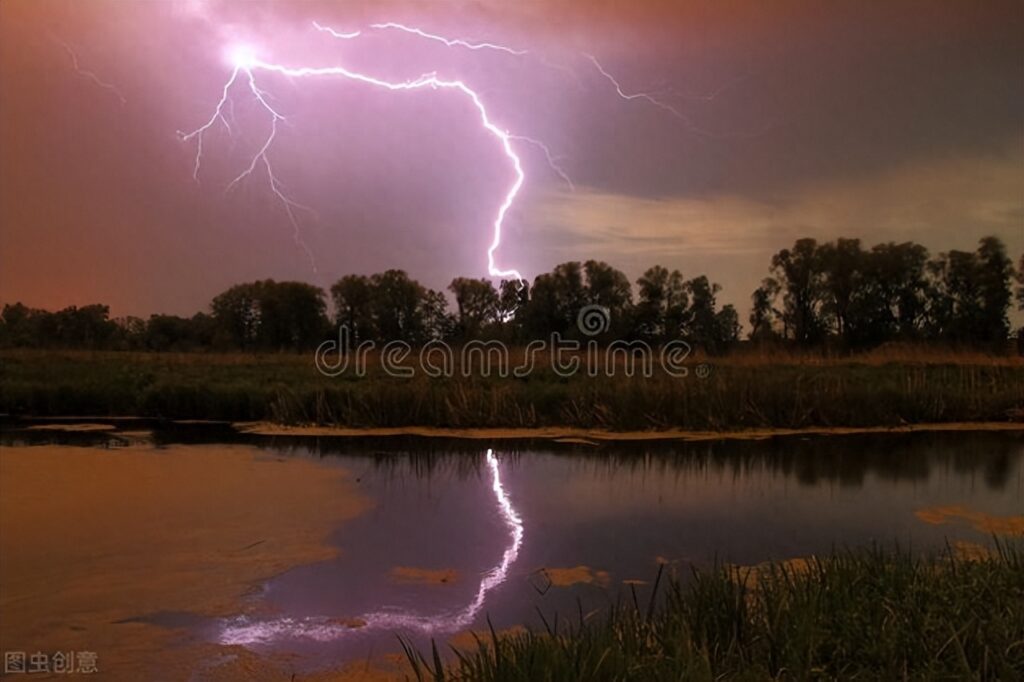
[
  {"x": 868, "y": 615},
  {"x": 741, "y": 392}
]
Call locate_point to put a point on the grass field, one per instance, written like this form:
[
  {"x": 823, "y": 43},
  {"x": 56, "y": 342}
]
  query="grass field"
[
  {"x": 869, "y": 615},
  {"x": 740, "y": 392}
]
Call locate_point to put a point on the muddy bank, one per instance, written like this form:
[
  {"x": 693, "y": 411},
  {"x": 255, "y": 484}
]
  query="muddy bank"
[{"x": 96, "y": 543}]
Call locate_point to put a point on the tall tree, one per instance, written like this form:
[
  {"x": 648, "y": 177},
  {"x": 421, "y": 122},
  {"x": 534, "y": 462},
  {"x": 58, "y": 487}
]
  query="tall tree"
[
  {"x": 893, "y": 304},
  {"x": 728, "y": 323},
  {"x": 842, "y": 266},
  {"x": 271, "y": 315},
  {"x": 970, "y": 294},
  {"x": 544, "y": 314},
  {"x": 610, "y": 288},
  {"x": 995, "y": 274},
  {"x": 292, "y": 315},
  {"x": 555, "y": 300},
  {"x": 396, "y": 307},
  {"x": 436, "y": 321},
  {"x": 237, "y": 313},
  {"x": 799, "y": 272},
  {"x": 705, "y": 328},
  {"x": 477, "y": 304},
  {"x": 762, "y": 310},
  {"x": 607, "y": 286},
  {"x": 352, "y": 295},
  {"x": 513, "y": 306},
  {"x": 662, "y": 306}
]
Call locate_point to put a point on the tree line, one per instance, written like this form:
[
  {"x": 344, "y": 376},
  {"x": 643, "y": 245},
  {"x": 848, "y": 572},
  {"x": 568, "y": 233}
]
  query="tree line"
[
  {"x": 837, "y": 293},
  {"x": 891, "y": 292}
]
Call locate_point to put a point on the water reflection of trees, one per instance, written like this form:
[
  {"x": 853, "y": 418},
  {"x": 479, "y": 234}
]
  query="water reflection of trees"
[
  {"x": 846, "y": 460},
  {"x": 809, "y": 460}
]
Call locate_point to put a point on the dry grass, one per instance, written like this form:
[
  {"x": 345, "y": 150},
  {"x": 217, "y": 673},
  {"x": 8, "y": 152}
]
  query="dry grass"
[{"x": 748, "y": 390}]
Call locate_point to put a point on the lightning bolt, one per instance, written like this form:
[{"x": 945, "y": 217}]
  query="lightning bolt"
[
  {"x": 243, "y": 68},
  {"x": 260, "y": 157},
  {"x": 661, "y": 104},
  {"x": 552, "y": 161},
  {"x": 647, "y": 97},
  {"x": 245, "y": 631},
  {"x": 86, "y": 73},
  {"x": 247, "y": 64},
  {"x": 337, "y": 34},
  {"x": 450, "y": 42},
  {"x": 455, "y": 42},
  {"x": 218, "y": 115},
  {"x": 458, "y": 42}
]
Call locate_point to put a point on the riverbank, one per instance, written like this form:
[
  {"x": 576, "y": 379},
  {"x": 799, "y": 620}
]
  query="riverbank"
[
  {"x": 866, "y": 614},
  {"x": 593, "y": 436},
  {"x": 116, "y": 551},
  {"x": 742, "y": 393}
]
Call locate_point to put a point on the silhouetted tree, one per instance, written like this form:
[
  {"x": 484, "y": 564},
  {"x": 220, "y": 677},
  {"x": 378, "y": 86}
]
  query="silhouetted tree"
[
  {"x": 555, "y": 299},
  {"x": 610, "y": 288},
  {"x": 817, "y": 293},
  {"x": 131, "y": 333},
  {"x": 662, "y": 307},
  {"x": 395, "y": 306},
  {"x": 892, "y": 303},
  {"x": 762, "y": 310},
  {"x": 1020, "y": 283},
  {"x": 607, "y": 287},
  {"x": 477, "y": 302},
  {"x": 970, "y": 294},
  {"x": 87, "y": 326},
  {"x": 352, "y": 295},
  {"x": 437, "y": 322},
  {"x": 237, "y": 313},
  {"x": 20, "y": 325},
  {"x": 729, "y": 328},
  {"x": 292, "y": 315},
  {"x": 389, "y": 306},
  {"x": 843, "y": 265},
  {"x": 799, "y": 271},
  {"x": 164, "y": 333},
  {"x": 995, "y": 275},
  {"x": 271, "y": 315},
  {"x": 706, "y": 326},
  {"x": 513, "y": 307}
]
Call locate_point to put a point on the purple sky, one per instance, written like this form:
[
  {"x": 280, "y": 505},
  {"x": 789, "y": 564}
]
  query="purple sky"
[{"x": 893, "y": 122}]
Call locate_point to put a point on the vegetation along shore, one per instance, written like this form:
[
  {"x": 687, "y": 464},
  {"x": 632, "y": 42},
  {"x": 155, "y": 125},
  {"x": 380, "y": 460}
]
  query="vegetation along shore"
[
  {"x": 885, "y": 388},
  {"x": 866, "y": 614}
]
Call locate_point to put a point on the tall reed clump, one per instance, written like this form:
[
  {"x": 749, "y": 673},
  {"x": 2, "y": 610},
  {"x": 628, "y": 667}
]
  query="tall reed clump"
[{"x": 871, "y": 615}]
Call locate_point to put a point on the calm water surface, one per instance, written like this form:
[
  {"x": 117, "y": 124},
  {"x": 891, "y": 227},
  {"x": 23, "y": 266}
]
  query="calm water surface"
[
  {"x": 498, "y": 519},
  {"x": 494, "y": 515}
]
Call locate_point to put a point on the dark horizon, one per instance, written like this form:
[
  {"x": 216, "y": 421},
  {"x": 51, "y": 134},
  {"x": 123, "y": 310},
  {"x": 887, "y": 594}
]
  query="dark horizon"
[{"x": 837, "y": 294}]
